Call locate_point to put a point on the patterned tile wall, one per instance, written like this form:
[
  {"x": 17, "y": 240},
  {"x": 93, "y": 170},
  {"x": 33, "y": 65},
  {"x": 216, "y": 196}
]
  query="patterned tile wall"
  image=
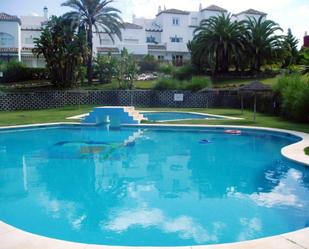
[{"x": 138, "y": 98}]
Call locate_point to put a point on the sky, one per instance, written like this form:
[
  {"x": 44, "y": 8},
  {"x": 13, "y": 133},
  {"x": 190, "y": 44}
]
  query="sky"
[{"x": 292, "y": 14}]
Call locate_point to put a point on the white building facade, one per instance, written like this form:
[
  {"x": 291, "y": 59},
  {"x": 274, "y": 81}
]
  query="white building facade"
[{"x": 165, "y": 36}]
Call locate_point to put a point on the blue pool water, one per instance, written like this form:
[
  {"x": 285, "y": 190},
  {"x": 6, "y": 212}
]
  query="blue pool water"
[
  {"x": 150, "y": 186},
  {"x": 163, "y": 116}
]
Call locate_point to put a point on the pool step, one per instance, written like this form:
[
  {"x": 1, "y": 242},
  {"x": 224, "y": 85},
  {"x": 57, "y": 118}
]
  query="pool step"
[{"x": 114, "y": 115}]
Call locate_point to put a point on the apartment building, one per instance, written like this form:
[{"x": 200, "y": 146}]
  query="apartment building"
[{"x": 165, "y": 36}]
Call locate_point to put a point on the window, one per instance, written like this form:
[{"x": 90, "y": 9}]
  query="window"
[
  {"x": 151, "y": 39},
  {"x": 177, "y": 60},
  {"x": 176, "y": 39},
  {"x": 194, "y": 21},
  {"x": 160, "y": 57},
  {"x": 6, "y": 40},
  {"x": 176, "y": 21}
]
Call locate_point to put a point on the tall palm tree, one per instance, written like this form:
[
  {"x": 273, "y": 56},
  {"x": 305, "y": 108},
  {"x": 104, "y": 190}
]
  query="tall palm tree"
[
  {"x": 219, "y": 38},
  {"x": 95, "y": 15},
  {"x": 262, "y": 39}
]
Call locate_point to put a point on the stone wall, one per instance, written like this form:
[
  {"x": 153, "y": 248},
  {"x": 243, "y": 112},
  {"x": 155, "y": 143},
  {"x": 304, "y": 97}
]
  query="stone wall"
[{"x": 138, "y": 98}]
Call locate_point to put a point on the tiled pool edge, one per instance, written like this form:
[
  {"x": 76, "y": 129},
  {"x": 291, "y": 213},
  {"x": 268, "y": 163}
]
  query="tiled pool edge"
[{"x": 11, "y": 237}]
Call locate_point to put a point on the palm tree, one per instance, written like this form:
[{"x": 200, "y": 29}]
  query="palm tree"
[
  {"x": 218, "y": 39},
  {"x": 98, "y": 15},
  {"x": 262, "y": 40}
]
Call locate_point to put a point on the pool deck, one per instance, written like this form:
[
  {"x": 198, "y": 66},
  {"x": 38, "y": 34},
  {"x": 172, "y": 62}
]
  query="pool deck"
[{"x": 14, "y": 238}]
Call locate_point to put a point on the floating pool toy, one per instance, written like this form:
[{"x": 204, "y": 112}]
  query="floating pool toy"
[
  {"x": 233, "y": 132},
  {"x": 205, "y": 141}
]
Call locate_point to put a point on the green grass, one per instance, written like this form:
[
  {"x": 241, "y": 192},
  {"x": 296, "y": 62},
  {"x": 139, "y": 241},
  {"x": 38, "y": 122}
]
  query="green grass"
[
  {"x": 307, "y": 151},
  {"x": 262, "y": 120},
  {"x": 60, "y": 115},
  {"x": 41, "y": 116},
  {"x": 232, "y": 83}
]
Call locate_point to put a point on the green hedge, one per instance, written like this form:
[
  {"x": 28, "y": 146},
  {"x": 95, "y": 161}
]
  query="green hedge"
[
  {"x": 198, "y": 83},
  {"x": 15, "y": 71},
  {"x": 184, "y": 73},
  {"x": 293, "y": 93},
  {"x": 167, "y": 84},
  {"x": 195, "y": 84}
]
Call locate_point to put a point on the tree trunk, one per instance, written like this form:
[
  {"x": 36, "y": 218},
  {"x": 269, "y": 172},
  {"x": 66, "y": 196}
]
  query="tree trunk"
[{"x": 89, "y": 62}]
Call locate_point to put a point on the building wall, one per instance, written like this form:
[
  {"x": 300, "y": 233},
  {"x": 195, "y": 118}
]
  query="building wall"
[
  {"x": 134, "y": 39},
  {"x": 170, "y": 30}
]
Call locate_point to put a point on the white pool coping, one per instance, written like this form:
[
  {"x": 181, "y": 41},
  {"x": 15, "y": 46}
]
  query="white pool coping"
[{"x": 14, "y": 238}]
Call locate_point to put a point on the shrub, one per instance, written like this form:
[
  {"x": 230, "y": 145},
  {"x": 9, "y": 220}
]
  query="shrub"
[
  {"x": 293, "y": 92},
  {"x": 148, "y": 64},
  {"x": 105, "y": 68},
  {"x": 166, "y": 68},
  {"x": 184, "y": 73},
  {"x": 198, "y": 83},
  {"x": 166, "y": 84},
  {"x": 15, "y": 71}
]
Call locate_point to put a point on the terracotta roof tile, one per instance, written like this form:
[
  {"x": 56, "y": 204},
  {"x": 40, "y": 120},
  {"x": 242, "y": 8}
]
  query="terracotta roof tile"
[
  {"x": 9, "y": 18},
  {"x": 252, "y": 12},
  {"x": 174, "y": 11},
  {"x": 214, "y": 8},
  {"x": 128, "y": 25}
]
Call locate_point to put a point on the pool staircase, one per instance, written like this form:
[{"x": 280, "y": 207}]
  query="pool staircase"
[{"x": 113, "y": 115}]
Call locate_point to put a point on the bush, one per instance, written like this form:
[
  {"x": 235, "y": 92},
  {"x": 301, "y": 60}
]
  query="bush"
[
  {"x": 184, "y": 73},
  {"x": 166, "y": 68},
  {"x": 148, "y": 64},
  {"x": 293, "y": 92},
  {"x": 105, "y": 68},
  {"x": 198, "y": 83},
  {"x": 166, "y": 84},
  {"x": 15, "y": 71}
]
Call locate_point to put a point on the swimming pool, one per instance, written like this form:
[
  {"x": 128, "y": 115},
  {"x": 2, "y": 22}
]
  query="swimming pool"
[
  {"x": 170, "y": 116},
  {"x": 150, "y": 186}
]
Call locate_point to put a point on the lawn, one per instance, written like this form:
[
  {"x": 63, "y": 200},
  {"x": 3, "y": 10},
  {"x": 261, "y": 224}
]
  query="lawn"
[
  {"x": 232, "y": 83},
  {"x": 60, "y": 114},
  {"x": 307, "y": 151}
]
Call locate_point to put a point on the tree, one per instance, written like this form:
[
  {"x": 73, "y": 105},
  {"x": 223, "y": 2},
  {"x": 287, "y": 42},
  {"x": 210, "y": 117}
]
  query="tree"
[
  {"x": 95, "y": 14},
  {"x": 126, "y": 70},
  {"x": 64, "y": 49},
  {"x": 290, "y": 46},
  {"x": 262, "y": 41},
  {"x": 217, "y": 40}
]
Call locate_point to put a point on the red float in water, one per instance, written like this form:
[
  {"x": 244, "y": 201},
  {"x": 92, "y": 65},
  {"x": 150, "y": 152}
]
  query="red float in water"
[{"x": 233, "y": 132}]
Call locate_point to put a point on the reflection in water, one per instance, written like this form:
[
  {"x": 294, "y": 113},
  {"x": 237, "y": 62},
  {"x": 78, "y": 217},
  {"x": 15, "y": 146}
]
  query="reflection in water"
[{"x": 150, "y": 187}]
